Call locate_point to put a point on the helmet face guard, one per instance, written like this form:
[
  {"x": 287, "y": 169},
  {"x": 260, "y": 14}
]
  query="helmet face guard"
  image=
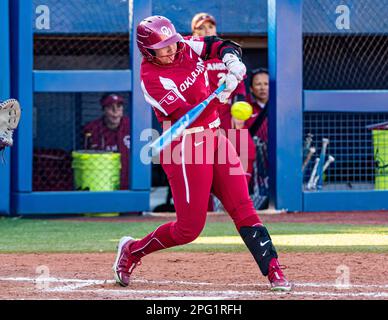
[{"x": 155, "y": 32}]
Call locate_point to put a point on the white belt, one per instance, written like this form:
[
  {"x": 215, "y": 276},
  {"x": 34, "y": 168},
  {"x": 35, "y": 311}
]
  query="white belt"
[{"x": 215, "y": 124}]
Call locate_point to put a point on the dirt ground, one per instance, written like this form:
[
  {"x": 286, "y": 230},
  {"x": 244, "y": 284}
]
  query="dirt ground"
[
  {"x": 167, "y": 275},
  {"x": 179, "y": 275}
]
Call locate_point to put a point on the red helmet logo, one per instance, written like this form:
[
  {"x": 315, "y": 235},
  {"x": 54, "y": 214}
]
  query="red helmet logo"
[{"x": 166, "y": 31}]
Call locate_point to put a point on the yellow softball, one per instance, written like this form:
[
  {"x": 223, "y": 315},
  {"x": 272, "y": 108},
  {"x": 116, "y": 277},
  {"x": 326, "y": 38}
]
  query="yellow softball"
[{"x": 241, "y": 110}]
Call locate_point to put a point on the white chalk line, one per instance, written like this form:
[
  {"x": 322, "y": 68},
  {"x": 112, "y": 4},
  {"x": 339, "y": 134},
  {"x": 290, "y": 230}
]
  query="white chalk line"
[
  {"x": 53, "y": 280},
  {"x": 301, "y": 284},
  {"x": 191, "y": 294},
  {"x": 90, "y": 282}
]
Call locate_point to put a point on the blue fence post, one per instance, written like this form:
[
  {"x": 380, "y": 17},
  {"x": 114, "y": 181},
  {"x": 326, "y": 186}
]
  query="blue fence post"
[
  {"x": 285, "y": 45},
  {"x": 140, "y": 175},
  {"x": 22, "y": 89},
  {"x": 5, "y": 184}
]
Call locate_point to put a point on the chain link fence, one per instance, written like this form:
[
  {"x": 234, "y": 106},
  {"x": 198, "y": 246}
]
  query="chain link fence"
[
  {"x": 350, "y": 54},
  {"x": 345, "y": 47},
  {"x": 79, "y": 35},
  {"x": 84, "y": 35},
  {"x": 350, "y": 142}
]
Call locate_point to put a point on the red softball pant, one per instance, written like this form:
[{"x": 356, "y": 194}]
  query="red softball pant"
[{"x": 197, "y": 164}]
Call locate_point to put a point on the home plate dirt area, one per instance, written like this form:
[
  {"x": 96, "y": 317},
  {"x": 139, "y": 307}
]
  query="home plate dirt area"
[{"x": 182, "y": 275}]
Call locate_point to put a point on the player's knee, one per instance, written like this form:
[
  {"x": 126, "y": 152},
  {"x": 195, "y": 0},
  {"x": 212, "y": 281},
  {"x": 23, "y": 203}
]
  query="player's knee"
[
  {"x": 247, "y": 220},
  {"x": 187, "y": 235}
]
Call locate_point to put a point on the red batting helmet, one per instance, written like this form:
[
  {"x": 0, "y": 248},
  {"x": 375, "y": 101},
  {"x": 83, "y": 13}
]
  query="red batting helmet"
[{"x": 155, "y": 32}]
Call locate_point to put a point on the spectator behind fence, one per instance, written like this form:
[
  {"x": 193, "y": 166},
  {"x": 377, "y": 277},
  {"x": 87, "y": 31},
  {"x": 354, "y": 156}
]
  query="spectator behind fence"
[
  {"x": 258, "y": 129},
  {"x": 258, "y": 99},
  {"x": 111, "y": 132}
]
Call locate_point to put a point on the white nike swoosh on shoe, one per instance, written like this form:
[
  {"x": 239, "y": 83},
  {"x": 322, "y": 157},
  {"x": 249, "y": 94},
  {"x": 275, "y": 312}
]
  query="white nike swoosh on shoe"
[
  {"x": 264, "y": 243},
  {"x": 265, "y": 252}
]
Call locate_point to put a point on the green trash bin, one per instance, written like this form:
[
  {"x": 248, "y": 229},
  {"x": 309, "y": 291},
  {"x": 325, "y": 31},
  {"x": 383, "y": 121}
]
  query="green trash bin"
[
  {"x": 380, "y": 146},
  {"x": 96, "y": 170}
]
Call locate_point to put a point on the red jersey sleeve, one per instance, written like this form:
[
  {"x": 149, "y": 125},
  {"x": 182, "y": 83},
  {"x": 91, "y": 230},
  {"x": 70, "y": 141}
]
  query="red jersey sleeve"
[{"x": 212, "y": 47}]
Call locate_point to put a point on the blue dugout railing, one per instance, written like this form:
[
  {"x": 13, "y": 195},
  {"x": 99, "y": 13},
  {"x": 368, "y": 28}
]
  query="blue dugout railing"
[
  {"x": 26, "y": 81},
  {"x": 4, "y": 94}
]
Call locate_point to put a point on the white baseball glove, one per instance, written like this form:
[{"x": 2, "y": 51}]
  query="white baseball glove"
[{"x": 9, "y": 120}]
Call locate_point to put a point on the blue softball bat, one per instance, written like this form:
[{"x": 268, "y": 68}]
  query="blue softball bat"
[{"x": 178, "y": 127}]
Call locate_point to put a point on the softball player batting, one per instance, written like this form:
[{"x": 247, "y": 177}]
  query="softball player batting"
[{"x": 174, "y": 80}]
